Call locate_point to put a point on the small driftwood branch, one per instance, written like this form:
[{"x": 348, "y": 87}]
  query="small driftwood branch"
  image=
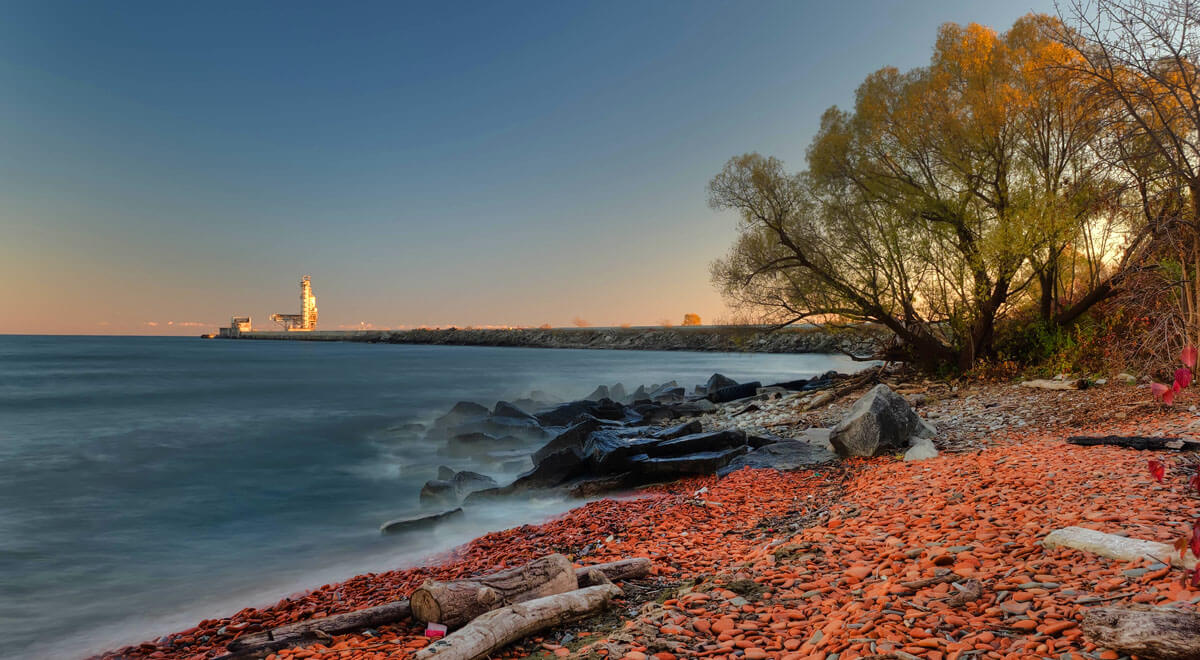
[
  {"x": 1134, "y": 442},
  {"x": 499, "y": 628},
  {"x": 260, "y": 644},
  {"x": 1151, "y": 634}
]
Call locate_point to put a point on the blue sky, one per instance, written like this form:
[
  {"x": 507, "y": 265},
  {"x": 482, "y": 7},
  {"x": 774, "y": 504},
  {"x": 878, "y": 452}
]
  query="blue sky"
[{"x": 485, "y": 163}]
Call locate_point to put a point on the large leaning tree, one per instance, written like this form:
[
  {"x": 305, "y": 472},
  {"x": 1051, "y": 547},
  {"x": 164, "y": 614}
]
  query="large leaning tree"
[
  {"x": 949, "y": 196},
  {"x": 1143, "y": 61}
]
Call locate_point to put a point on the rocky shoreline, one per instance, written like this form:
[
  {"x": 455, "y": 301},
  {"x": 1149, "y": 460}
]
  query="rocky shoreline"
[
  {"x": 808, "y": 563},
  {"x": 859, "y": 340}
]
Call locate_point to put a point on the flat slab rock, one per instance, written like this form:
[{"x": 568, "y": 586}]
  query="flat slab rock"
[
  {"x": 785, "y": 455},
  {"x": 419, "y": 522}
]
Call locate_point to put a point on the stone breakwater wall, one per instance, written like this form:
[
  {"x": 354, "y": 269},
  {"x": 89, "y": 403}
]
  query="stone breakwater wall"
[{"x": 861, "y": 340}]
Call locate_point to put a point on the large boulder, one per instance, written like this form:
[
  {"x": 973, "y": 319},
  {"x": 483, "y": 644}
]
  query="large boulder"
[
  {"x": 617, "y": 392},
  {"x": 782, "y": 455},
  {"x": 881, "y": 422},
  {"x": 600, "y": 392},
  {"x": 608, "y": 451},
  {"x": 693, "y": 408},
  {"x": 438, "y": 493},
  {"x": 668, "y": 393},
  {"x": 506, "y": 409}
]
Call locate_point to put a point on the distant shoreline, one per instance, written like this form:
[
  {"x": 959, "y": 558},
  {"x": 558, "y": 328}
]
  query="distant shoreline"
[{"x": 861, "y": 340}]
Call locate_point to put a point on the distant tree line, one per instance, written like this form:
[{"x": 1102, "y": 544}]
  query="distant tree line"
[{"x": 1038, "y": 172}]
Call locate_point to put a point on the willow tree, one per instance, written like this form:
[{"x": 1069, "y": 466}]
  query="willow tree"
[{"x": 946, "y": 196}]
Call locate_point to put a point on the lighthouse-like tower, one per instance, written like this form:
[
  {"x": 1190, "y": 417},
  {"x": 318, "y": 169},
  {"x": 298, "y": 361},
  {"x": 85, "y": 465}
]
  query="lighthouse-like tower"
[
  {"x": 308, "y": 304},
  {"x": 307, "y": 318}
]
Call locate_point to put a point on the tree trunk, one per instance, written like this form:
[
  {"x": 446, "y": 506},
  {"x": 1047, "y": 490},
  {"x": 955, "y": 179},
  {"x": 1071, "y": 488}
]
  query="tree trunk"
[
  {"x": 499, "y": 628},
  {"x": 306, "y": 632},
  {"x": 1151, "y": 634},
  {"x": 1115, "y": 546},
  {"x": 457, "y": 602}
]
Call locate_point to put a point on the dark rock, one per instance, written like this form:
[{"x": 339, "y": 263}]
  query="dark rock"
[
  {"x": 686, "y": 428},
  {"x": 670, "y": 391},
  {"x": 505, "y": 409},
  {"x": 572, "y": 438},
  {"x": 785, "y": 455},
  {"x": 653, "y": 413},
  {"x": 594, "y": 486},
  {"x": 461, "y": 412},
  {"x": 880, "y": 422},
  {"x": 569, "y": 413},
  {"x": 553, "y": 470},
  {"x": 793, "y": 385},
  {"x": 823, "y": 381},
  {"x": 438, "y": 493},
  {"x": 600, "y": 392},
  {"x": 467, "y": 482},
  {"x": 718, "y": 382},
  {"x": 693, "y": 408},
  {"x": 641, "y": 393},
  {"x": 734, "y": 392},
  {"x": 714, "y": 441},
  {"x": 617, "y": 392},
  {"x": 419, "y": 522},
  {"x": 445, "y": 473},
  {"x": 756, "y": 441},
  {"x": 607, "y": 451},
  {"x": 690, "y": 464}
]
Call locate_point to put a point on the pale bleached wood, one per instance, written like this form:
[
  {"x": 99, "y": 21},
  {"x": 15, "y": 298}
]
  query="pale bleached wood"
[
  {"x": 1150, "y": 634},
  {"x": 1115, "y": 546},
  {"x": 456, "y": 602},
  {"x": 624, "y": 569},
  {"x": 494, "y": 630}
]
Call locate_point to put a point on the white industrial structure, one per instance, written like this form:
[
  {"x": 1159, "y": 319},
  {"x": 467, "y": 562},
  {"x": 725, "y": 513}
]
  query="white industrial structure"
[{"x": 307, "y": 318}]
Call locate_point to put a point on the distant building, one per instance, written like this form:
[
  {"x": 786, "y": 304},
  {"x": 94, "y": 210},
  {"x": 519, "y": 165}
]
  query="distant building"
[
  {"x": 307, "y": 318},
  {"x": 237, "y": 325}
]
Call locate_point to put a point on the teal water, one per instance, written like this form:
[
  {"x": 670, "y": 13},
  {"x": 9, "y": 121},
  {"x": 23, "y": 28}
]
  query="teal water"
[{"x": 147, "y": 483}]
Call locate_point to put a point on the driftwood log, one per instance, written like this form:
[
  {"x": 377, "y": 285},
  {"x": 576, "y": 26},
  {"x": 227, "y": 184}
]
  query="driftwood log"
[
  {"x": 499, "y": 628},
  {"x": 260, "y": 644},
  {"x": 456, "y": 602},
  {"x": 1151, "y": 634},
  {"x": 1115, "y": 546},
  {"x": 1056, "y": 384},
  {"x": 1134, "y": 442},
  {"x": 615, "y": 571}
]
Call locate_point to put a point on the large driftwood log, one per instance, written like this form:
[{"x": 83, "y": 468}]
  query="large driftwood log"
[
  {"x": 499, "y": 628},
  {"x": 307, "y": 632},
  {"x": 625, "y": 569},
  {"x": 1115, "y": 546},
  {"x": 1152, "y": 634},
  {"x": 1133, "y": 442},
  {"x": 456, "y": 602}
]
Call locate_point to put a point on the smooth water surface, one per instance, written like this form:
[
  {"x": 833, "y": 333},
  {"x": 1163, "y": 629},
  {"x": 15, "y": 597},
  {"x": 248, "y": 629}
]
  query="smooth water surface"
[{"x": 147, "y": 483}]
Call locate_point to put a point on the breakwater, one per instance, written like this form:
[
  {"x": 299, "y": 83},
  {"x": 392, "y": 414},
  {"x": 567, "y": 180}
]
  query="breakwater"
[{"x": 860, "y": 340}]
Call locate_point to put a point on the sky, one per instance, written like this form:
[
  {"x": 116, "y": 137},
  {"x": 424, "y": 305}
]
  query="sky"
[{"x": 167, "y": 165}]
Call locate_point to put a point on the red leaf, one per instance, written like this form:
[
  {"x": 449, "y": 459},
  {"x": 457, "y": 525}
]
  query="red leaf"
[
  {"x": 1181, "y": 544},
  {"x": 1195, "y": 577},
  {"x": 1183, "y": 378},
  {"x": 1169, "y": 397},
  {"x": 1158, "y": 390},
  {"x": 1194, "y": 482},
  {"x": 1188, "y": 356},
  {"x": 1194, "y": 544},
  {"x": 1157, "y": 469}
]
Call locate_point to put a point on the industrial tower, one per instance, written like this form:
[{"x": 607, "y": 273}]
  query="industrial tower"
[{"x": 307, "y": 318}]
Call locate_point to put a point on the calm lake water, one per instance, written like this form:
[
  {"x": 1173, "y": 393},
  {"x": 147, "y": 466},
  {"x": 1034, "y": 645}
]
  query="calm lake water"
[{"x": 147, "y": 483}]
